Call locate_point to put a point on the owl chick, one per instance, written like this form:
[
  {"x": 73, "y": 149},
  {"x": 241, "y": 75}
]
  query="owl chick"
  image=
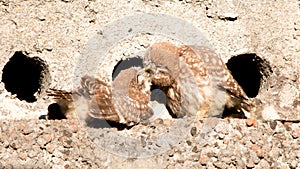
[
  {"x": 222, "y": 78},
  {"x": 195, "y": 80},
  {"x": 186, "y": 95},
  {"x": 126, "y": 100}
]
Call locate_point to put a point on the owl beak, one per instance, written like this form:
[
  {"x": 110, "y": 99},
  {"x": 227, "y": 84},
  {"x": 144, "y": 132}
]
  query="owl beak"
[{"x": 147, "y": 69}]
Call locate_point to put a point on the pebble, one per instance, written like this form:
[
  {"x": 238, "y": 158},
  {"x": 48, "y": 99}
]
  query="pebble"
[
  {"x": 203, "y": 160},
  {"x": 158, "y": 121},
  {"x": 50, "y": 148},
  {"x": 259, "y": 151},
  {"x": 67, "y": 133},
  {"x": 15, "y": 144},
  {"x": 22, "y": 155},
  {"x": 193, "y": 131},
  {"x": 74, "y": 128},
  {"x": 273, "y": 124},
  {"x": 168, "y": 122},
  {"x": 67, "y": 143},
  {"x": 263, "y": 164},
  {"x": 250, "y": 164},
  {"x": 251, "y": 122},
  {"x": 195, "y": 149}
]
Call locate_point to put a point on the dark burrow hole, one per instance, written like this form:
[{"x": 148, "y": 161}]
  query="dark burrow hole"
[
  {"x": 25, "y": 76},
  {"x": 249, "y": 70},
  {"x": 125, "y": 64}
]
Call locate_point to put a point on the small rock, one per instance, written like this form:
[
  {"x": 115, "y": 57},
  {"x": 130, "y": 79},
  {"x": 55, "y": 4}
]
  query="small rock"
[
  {"x": 195, "y": 149},
  {"x": 47, "y": 138},
  {"x": 240, "y": 163},
  {"x": 203, "y": 160},
  {"x": 193, "y": 131},
  {"x": 66, "y": 152},
  {"x": 259, "y": 151},
  {"x": 22, "y": 155},
  {"x": 168, "y": 122},
  {"x": 27, "y": 130},
  {"x": 188, "y": 142},
  {"x": 66, "y": 166},
  {"x": 67, "y": 133},
  {"x": 44, "y": 139},
  {"x": 195, "y": 157},
  {"x": 294, "y": 164},
  {"x": 226, "y": 160},
  {"x": 50, "y": 148},
  {"x": 263, "y": 164},
  {"x": 55, "y": 160},
  {"x": 74, "y": 128},
  {"x": 295, "y": 134},
  {"x": 273, "y": 124},
  {"x": 158, "y": 121},
  {"x": 67, "y": 143},
  {"x": 219, "y": 164},
  {"x": 5, "y": 144},
  {"x": 221, "y": 136},
  {"x": 32, "y": 153},
  {"x": 15, "y": 145},
  {"x": 251, "y": 122},
  {"x": 250, "y": 164}
]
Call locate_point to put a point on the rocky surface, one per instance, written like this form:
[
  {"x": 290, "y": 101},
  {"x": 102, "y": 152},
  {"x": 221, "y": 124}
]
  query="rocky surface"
[
  {"x": 60, "y": 33},
  {"x": 206, "y": 143}
]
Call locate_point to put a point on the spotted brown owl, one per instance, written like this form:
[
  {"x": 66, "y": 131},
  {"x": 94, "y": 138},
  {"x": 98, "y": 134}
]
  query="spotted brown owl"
[
  {"x": 195, "y": 80},
  {"x": 126, "y": 100}
]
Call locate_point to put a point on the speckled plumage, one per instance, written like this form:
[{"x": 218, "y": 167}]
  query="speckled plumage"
[
  {"x": 195, "y": 80},
  {"x": 126, "y": 100}
]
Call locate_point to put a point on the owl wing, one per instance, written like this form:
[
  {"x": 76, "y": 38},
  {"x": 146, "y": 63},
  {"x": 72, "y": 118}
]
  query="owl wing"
[
  {"x": 221, "y": 76},
  {"x": 101, "y": 105}
]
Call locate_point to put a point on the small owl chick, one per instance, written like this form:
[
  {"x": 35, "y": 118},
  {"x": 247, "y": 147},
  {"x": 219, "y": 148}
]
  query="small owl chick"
[
  {"x": 195, "y": 80},
  {"x": 126, "y": 100}
]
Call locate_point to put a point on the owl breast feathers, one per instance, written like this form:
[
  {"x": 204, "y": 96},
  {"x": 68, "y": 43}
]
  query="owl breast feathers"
[{"x": 195, "y": 80}]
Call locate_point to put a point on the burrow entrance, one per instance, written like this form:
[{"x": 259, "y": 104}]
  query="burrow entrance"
[
  {"x": 125, "y": 64},
  {"x": 249, "y": 70},
  {"x": 27, "y": 77}
]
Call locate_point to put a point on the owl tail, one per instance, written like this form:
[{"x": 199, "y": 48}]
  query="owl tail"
[{"x": 57, "y": 94}]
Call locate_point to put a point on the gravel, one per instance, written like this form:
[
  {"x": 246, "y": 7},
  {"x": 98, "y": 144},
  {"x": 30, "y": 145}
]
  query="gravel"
[{"x": 65, "y": 143}]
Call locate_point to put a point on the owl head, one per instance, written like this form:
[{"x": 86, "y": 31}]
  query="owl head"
[{"x": 131, "y": 94}]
